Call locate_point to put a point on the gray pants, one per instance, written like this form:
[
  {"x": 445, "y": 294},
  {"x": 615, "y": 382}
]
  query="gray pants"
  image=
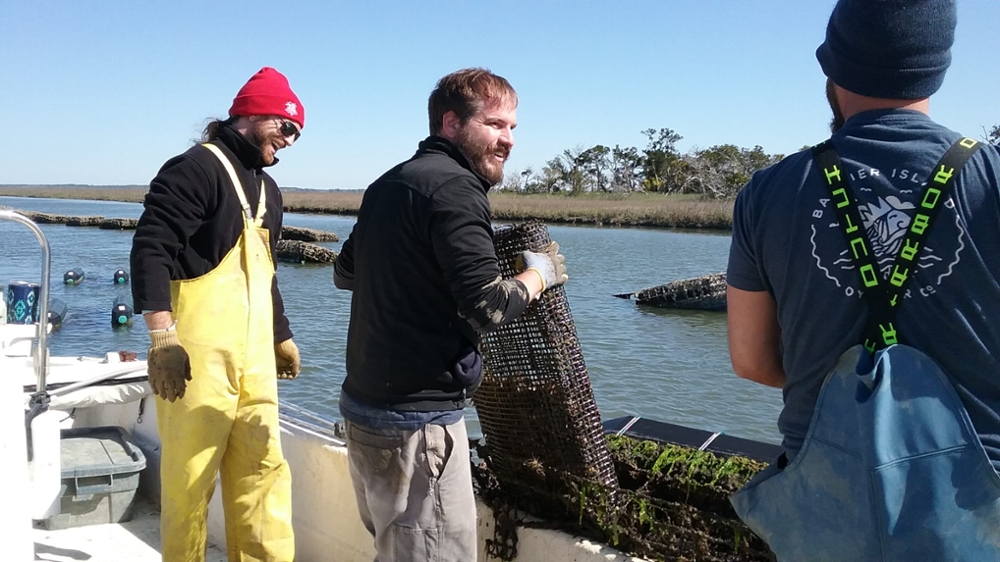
[{"x": 414, "y": 491}]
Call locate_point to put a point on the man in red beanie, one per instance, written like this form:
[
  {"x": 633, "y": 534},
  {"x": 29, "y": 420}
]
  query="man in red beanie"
[{"x": 204, "y": 278}]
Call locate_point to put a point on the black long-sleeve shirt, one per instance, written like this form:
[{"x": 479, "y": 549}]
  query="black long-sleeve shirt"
[
  {"x": 425, "y": 277},
  {"x": 193, "y": 218}
]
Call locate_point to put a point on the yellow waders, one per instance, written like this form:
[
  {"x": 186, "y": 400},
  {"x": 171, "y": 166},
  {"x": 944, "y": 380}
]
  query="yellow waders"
[{"x": 228, "y": 418}]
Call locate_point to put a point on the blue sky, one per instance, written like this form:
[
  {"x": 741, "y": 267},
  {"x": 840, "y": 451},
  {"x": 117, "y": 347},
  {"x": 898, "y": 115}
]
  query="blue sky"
[{"x": 104, "y": 91}]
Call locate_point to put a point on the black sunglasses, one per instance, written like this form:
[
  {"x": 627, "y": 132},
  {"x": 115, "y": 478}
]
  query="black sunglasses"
[{"x": 288, "y": 129}]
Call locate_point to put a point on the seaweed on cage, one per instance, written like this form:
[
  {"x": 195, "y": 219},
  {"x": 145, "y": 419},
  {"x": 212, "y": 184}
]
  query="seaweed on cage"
[{"x": 672, "y": 504}]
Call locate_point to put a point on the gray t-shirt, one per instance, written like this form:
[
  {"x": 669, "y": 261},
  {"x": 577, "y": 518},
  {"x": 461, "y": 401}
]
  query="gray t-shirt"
[{"x": 786, "y": 241}]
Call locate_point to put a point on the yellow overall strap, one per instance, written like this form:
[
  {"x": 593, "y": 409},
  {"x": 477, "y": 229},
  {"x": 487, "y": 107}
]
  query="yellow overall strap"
[{"x": 261, "y": 209}]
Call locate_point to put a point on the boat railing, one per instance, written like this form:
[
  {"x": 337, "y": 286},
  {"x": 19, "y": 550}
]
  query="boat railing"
[
  {"x": 311, "y": 421},
  {"x": 41, "y": 353}
]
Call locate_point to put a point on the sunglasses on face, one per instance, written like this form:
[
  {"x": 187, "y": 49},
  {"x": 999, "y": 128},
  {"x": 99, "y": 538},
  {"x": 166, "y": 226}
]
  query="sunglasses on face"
[{"x": 288, "y": 129}]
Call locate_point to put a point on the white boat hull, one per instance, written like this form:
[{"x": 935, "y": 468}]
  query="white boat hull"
[{"x": 326, "y": 522}]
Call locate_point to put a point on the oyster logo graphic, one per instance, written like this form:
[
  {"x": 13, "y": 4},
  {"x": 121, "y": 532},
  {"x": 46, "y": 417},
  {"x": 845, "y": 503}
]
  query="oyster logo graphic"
[{"x": 886, "y": 221}]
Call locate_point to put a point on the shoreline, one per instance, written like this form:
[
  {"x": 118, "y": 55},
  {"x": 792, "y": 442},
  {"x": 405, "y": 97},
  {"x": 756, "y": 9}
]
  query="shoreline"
[{"x": 644, "y": 210}]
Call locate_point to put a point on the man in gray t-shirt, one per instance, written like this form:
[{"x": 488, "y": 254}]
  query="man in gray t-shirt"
[{"x": 794, "y": 299}]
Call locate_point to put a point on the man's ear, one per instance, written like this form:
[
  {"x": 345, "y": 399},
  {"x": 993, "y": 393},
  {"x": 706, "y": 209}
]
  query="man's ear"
[{"x": 450, "y": 125}]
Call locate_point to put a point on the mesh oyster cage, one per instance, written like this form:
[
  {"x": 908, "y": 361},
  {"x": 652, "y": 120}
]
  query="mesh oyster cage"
[
  {"x": 536, "y": 404},
  {"x": 707, "y": 293}
]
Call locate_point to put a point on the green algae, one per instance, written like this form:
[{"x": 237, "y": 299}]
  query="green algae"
[{"x": 672, "y": 503}]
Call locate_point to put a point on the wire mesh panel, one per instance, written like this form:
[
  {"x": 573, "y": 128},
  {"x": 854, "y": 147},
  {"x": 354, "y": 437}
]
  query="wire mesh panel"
[
  {"x": 536, "y": 404},
  {"x": 706, "y": 293}
]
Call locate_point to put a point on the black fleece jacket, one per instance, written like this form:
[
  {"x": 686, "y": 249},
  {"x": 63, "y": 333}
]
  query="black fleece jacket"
[
  {"x": 425, "y": 277},
  {"x": 193, "y": 218}
]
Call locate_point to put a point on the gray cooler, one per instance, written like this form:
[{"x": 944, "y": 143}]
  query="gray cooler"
[{"x": 100, "y": 474}]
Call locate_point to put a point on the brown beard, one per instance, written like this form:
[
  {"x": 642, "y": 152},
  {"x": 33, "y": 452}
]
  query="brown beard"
[
  {"x": 480, "y": 156},
  {"x": 837, "y": 122},
  {"x": 261, "y": 136}
]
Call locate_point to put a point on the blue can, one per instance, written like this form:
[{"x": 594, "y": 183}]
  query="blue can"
[{"x": 22, "y": 302}]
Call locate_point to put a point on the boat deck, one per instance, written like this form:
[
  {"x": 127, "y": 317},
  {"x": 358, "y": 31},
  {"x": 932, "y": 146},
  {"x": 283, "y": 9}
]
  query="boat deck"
[{"x": 137, "y": 540}]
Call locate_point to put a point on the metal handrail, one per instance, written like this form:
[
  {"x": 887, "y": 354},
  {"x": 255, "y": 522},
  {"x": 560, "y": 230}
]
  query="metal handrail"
[
  {"x": 42, "y": 351},
  {"x": 124, "y": 370},
  {"x": 310, "y": 420}
]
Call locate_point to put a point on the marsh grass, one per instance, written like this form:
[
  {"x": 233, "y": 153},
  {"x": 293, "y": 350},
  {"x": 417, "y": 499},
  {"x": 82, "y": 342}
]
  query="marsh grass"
[
  {"x": 123, "y": 194},
  {"x": 636, "y": 209}
]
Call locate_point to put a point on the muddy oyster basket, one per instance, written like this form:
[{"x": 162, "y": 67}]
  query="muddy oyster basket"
[
  {"x": 701, "y": 293},
  {"x": 536, "y": 405},
  {"x": 546, "y": 453}
]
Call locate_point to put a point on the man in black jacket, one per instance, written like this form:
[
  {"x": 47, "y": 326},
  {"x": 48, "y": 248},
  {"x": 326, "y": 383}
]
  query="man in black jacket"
[
  {"x": 425, "y": 278},
  {"x": 203, "y": 276}
]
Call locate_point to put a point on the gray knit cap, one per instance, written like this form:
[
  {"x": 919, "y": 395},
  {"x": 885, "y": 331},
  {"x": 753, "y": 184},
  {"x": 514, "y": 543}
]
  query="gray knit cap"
[{"x": 898, "y": 49}]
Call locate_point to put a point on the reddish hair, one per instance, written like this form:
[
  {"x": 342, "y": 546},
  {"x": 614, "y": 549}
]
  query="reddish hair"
[{"x": 465, "y": 92}]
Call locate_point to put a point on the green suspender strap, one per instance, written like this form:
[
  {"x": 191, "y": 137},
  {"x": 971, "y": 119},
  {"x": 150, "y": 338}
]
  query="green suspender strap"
[
  {"x": 883, "y": 296},
  {"x": 891, "y": 459}
]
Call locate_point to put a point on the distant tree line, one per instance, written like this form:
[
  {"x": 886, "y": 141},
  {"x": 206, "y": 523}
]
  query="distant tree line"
[
  {"x": 716, "y": 172},
  {"x": 993, "y": 135}
]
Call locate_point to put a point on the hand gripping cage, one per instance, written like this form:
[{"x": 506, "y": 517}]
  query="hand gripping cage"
[{"x": 535, "y": 403}]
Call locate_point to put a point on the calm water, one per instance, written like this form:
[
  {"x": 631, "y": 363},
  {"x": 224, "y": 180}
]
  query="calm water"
[{"x": 661, "y": 364}]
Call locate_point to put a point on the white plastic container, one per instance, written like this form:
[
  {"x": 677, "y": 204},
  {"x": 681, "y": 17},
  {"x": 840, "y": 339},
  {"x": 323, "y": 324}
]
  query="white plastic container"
[
  {"x": 17, "y": 340},
  {"x": 100, "y": 476},
  {"x": 45, "y": 467},
  {"x": 15, "y": 519}
]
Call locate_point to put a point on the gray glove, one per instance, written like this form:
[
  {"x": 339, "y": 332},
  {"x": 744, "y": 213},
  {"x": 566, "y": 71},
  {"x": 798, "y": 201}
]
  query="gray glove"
[
  {"x": 168, "y": 365},
  {"x": 550, "y": 265}
]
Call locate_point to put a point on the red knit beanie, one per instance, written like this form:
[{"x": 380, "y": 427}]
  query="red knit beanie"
[{"x": 268, "y": 93}]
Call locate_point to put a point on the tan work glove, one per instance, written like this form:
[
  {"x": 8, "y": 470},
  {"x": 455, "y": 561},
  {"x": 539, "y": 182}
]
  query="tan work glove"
[
  {"x": 168, "y": 365},
  {"x": 549, "y": 264},
  {"x": 286, "y": 356}
]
